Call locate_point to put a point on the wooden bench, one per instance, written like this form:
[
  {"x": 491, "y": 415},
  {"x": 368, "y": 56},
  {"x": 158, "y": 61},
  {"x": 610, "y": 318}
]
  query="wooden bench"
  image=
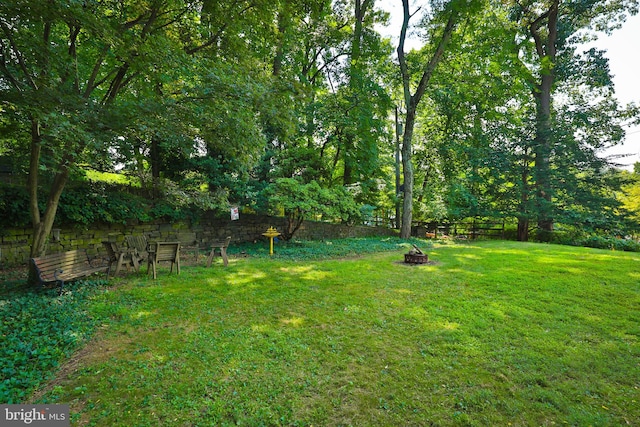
[
  {"x": 65, "y": 266},
  {"x": 222, "y": 245}
]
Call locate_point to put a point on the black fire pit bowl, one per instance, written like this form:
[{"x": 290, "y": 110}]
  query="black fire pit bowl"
[{"x": 415, "y": 258}]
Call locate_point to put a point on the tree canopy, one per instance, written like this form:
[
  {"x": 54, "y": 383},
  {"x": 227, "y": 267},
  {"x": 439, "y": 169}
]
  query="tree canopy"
[{"x": 287, "y": 106}]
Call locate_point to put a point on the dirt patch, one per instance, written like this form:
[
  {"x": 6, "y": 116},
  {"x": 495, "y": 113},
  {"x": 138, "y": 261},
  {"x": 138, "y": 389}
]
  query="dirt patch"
[{"x": 96, "y": 349}]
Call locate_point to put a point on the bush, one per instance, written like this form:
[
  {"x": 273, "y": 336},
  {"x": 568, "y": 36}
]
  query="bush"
[
  {"x": 299, "y": 201},
  {"x": 597, "y": 242},
  {"x": 90, "y": 202},
  {"x": 85, "y": 203},
  {"x": 14, "y": 206},
  {"x": 611, "y": 243}
]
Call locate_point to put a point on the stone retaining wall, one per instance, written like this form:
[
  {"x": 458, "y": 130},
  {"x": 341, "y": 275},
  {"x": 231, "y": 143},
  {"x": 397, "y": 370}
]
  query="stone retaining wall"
[{"x": 15, "y": 243}]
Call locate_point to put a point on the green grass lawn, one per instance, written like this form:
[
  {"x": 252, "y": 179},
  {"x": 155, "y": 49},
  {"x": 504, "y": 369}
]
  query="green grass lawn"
[{"x": 488, "y": 334}]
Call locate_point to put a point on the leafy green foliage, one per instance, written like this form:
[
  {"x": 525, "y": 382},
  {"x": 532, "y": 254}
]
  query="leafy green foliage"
[
  {"x": 209, "y": 103},
  {"x": 87, "y": 202},
  {"x": 40, "y": 330},
  {"x": 90, "y": 203},
  {"x": 630, "y": 196},
  {"x": 300, "y": 201},
  {"x": 14, "y": 204},
  {"x": 598, "y": 242}
]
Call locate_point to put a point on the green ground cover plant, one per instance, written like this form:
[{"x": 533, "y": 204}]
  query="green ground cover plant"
[
  {"x": 301, "y": 250},
  {"x": 488, "y": 333},
  {"x": 39, "y": 330}
]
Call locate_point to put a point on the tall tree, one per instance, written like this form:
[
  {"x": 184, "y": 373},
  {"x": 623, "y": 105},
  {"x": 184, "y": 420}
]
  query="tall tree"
[
  {"x": 93, "y": 75},
  {"x": 465, "y": 134},
  {"x": 64, "y": 69},
  {"x": 547, "y": 37},
  {"x": 448, "y": 17}
]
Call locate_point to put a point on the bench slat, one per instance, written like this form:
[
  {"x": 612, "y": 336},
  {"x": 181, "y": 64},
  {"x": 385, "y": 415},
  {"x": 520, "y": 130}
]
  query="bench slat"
[
  {"x": 61, "y": 263},
  {"x": 66, "y": 275}
]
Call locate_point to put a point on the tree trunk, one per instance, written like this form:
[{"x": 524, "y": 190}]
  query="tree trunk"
[
  {"x": 295, "y": 219},
  {"x": 407, "y": 173},
  {"x": 42, "y": 229},
  {"x": 347, "y": 173},
  {"x": 350, "y": 173},
  {"x": 155, "y": 166},
  {"x": 542, "y": 150},
  {"x": 523, "y": 229},
  {"x": 411, "y": 105},
  {"x": 283, "y": 25},
  {"x": 397, "y": 168},
  {"x": 32, "y": 179},
  {"x": 546, "y": 48},
  {"x": 42, "y": 224},
  {"x": 523, "y": 215}
]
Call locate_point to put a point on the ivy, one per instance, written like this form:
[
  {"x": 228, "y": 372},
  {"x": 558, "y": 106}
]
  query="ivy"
[{"x": 39, "y": 331}]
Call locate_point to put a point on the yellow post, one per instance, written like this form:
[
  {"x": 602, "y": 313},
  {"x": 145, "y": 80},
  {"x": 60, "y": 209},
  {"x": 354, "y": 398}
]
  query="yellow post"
[{"x": 271, "y": 233}]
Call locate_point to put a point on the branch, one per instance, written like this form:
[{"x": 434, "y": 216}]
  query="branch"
[
  {"x": 18, "y": 55},
  {"x": 147, "y": 26},
  {"x": 91, "y": 83},
  {"x": 210, "y": 42},
  {"x": 218, "y": 33},
  {"x": 131, "y": 24},
  {"x": 535, "y": 26},
  {"x": 121, "y": 79},
  {"x": 5, "y": 70},
  {"x": 74, "y": 31},
  {"x": 116, "y": 83},
  {"x": 553, "y": 30},
  {"x": 437, "y": 55},
  {"x": 176, "y": 18},
  {"x": 404, "y": 68},
  {"x": 326, "y": 64}
]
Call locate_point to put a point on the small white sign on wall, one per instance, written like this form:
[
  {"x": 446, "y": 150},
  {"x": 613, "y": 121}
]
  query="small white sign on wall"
[{"x": 235, "y": 214}]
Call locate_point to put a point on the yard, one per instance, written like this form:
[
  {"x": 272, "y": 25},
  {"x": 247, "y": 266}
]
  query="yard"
[{"x": 487, "y": 333}]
